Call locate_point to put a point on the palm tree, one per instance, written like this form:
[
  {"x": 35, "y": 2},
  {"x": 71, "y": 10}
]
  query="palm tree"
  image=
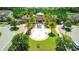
[
  {"x": 20, "y": 41},
  {"x": 74, "y": 19},
  {"x": 13, "y": 24},
  {"x": 67, "y": 25},
  {"x": 33, "y": 19},
  {"x": 52, "y": 25},
  {"x": 60, "y": 45},
  {"x": 9, "y": 20}
]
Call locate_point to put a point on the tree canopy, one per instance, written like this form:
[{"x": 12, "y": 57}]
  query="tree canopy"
[{"x": 19, "y": 42}]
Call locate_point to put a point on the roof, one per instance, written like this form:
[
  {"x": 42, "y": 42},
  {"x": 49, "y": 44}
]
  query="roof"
[
  {"x": 39, "y": 14},
  {"x": 5, "y": 12},
  {"x": 75, "y": 16}
]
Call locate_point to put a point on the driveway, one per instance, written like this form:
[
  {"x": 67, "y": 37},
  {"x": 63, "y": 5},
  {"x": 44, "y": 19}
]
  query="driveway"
[
  {"x": 5, "y": 39},
  {"x": 74, "y": 33}
]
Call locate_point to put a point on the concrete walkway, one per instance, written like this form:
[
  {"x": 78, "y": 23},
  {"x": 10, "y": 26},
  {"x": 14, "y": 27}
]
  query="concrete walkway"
[
  {"x": 6, "y": 37},
  {"x": 57, "y": 30}
]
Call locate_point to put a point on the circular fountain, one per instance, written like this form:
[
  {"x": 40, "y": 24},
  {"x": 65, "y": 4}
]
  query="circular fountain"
[{"x": 39, "y": 32}]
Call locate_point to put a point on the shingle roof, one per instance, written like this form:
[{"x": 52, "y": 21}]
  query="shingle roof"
[
  {"x": 70, "y": 17},
  {"x": 5, "y": 12}
]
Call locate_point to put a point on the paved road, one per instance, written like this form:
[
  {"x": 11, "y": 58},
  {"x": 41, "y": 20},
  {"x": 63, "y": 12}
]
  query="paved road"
[
  {"x": 74, "y": 33},
  {"x": 7, "y": 35}
]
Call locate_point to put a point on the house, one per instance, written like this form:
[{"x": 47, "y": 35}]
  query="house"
[
  {"x": 40, "y": 17},
  {"x": 4, "y": 14},
  {"x": 73, "y": 17}
]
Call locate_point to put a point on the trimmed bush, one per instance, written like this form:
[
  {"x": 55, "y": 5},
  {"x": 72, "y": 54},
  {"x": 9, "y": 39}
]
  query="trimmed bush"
[
  {"x": 14, "y": 28},
  {"x": 51, "y": 34},
  {"x": 0, "y": 33}
]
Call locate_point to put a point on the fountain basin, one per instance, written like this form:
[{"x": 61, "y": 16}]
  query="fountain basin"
[{"x": 39, "y": 32}]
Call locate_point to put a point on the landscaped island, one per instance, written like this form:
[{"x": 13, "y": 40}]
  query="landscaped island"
[{"x": 39, "y": 29}]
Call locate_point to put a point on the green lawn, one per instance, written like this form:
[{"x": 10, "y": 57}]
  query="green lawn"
[
  {"x": 70, "y": 13},
  {"x": 47, "y": 45},
  {"x": 77, "y": 25},
  {"x": 3, "y": 24}
]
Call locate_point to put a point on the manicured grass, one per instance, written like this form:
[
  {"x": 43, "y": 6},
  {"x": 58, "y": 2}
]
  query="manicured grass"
[
  {"x": 77, "y": 25},
  {"x": 70, "y": 13},
  {"x": 29, "y": 25},
  {"x": 3, "y": 24},
  {"x": 47, "y": 45}
]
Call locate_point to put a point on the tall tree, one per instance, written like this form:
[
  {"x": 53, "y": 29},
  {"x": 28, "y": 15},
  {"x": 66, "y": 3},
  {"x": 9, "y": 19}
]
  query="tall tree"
[
  {"x": 20, "y": 42},
  {"x": 60, "y": 45},
  {"x": 67, "y": 26},
  {"x": 9, "y": 20},
  {"x": 13, "y": 24}
]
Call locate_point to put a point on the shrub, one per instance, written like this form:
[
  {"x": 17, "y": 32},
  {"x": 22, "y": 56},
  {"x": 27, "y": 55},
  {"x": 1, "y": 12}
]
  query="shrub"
[
  {"x": 14, "y": 28},
  {"x": 68, "y": 29},
  {"x": 38, "y": 46},
  {"x": 0, "y": 33},
  {"x": 51, "y": 34}
]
